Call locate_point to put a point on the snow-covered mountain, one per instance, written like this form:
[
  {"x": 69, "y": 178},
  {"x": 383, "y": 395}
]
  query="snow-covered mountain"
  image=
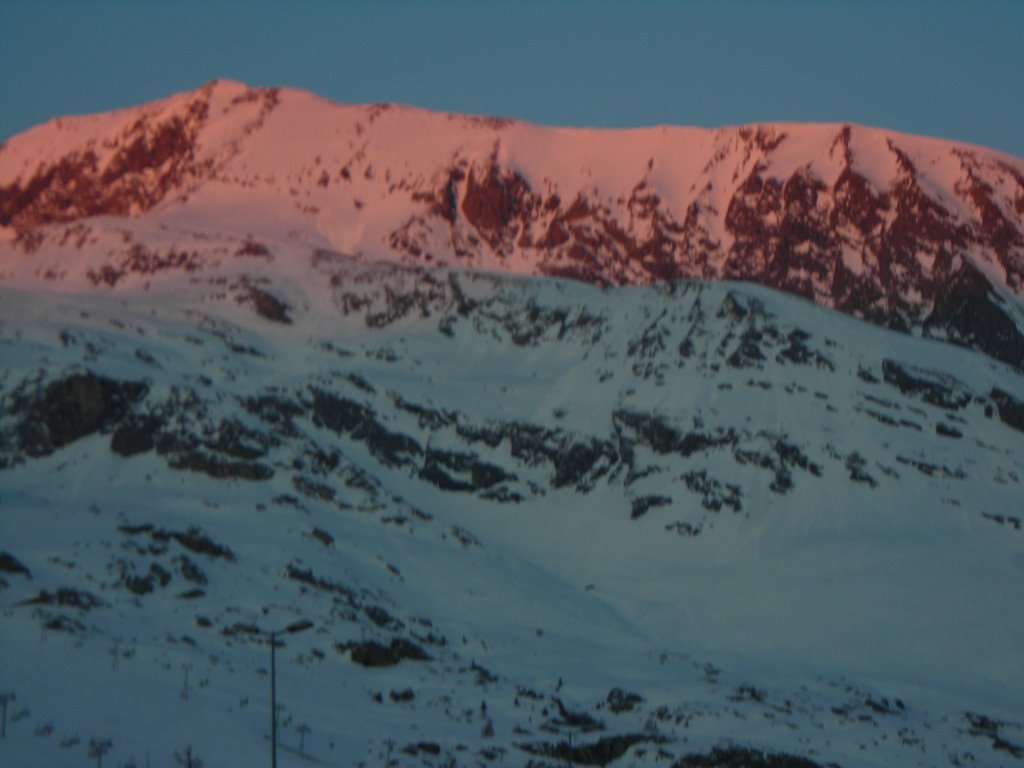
[
  {"x": 264, "y": 365},
  {"x": 911, "y": 233}
]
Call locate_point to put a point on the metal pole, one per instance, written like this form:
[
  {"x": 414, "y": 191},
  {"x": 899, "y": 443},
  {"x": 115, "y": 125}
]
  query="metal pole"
[{"x": 273, "y": 700}]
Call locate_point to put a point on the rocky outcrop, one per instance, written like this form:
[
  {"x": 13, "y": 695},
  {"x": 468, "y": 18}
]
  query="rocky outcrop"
[{"x": 68, "y": 409}]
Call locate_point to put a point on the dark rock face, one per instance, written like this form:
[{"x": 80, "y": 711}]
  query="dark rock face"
[
  {"x": 968, "y": 313},
  {"x": 268, "y": 306},
  {"x": 373, "y": 654},
  {"x": 739, "y": 757},
  {"x": 1011, "y": 410},
  {"x": 349, "y": 417},
  {"x": 192, "y": 539},
  {"x": 136, "y": 435},
  {"x": 601, "y": 752},
  {"x": 495, "y": 202},
  {"x": 934, "y": 388},
  {"x": 140, "y": 260},
  {"x": 984, "y": 727},
  {"x": 794, "y": 234},
  {"x": 179, "y": 429},
  {"x": 458, "y": 471},
  {"x": 575, "y": 460},
  {"x": 622, "y": 701},
  {"x": 219, "y": 468},
  {"x": 66, "y": 597},
  {"x": 10, "y": 564},
  {"x": 74, "y": 407}
]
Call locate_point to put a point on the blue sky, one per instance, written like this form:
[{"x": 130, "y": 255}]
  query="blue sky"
[{"x": 942, "y": 68}]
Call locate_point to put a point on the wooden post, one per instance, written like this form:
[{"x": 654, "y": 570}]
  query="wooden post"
[{"x": 5, "y": 697}]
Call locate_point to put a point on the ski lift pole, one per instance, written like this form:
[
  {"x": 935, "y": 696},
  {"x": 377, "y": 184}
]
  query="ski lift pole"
[{"x": 291, "y": 629}]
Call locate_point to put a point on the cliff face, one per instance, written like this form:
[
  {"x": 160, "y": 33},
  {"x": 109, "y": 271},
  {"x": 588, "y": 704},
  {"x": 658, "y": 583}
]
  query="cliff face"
[{"x": 915, "y": 234}]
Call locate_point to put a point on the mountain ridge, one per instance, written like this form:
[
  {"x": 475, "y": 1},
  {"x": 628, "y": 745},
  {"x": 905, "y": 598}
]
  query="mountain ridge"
[{"x": 916, "y": 234}]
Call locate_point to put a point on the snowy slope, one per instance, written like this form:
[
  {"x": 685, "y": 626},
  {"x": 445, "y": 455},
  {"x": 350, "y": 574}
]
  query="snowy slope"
[
  {"x": 265, "y": 361},
  {"x": 781, "y": 528}
]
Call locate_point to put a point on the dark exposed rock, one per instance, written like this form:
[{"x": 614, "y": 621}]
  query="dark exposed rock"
[
  {"x": 74, "y": 407},
  {"x": 936, "y": 388},
  {"x": 493, "y": 203},
  {"x": 714, "y": 494},
  {"x": 866, "y": 375},
  {"x": 741, "y": 757},
  {"x": 67, "y": 597},
  {"x": 276, "y": 410},
  {"x": 929, "y": 469},
  {"x": 322, "y": 536},
  {"x": 241, "y": 628},
  {"x": 267, "y": 305},
  {"x": 881, "y": 418},
  {"x": 572, "y": 719},
  {"x": 1010, "y": 520},
  {"x": 780, "y": 460},
  {"x": 799, "y": 353},
  {"x": 479, "y": 475},
  {"x": 641, "y": 504},
  {"x": 306, "y": 576},
  {"x": 653, "y": 431},
  {"x": 144, "y": 585},
  {"x": 883, "y": 706},
  {"x": 192, "y": 539},
  {"x": 855, "y": 464},
  {"x": 370, "y": 653},
  {"x": 348, "y": 417},
  {"x": 968, "y": 312},
  {"x": 140, "y": 260},
  {"x": 1011, "y": 410},
  {"x": 135, "y": 435},
  {"x": 574, "y": 459},
  {"x": 622, "y": 701},
  {"x": 253, "y": 248},
  {"x": 232, "y": 438},
  {"x": 215, "y": 467},
  {"x": 987, "y": 727},
  {"x": 426, "y": 747},
  {"x": 748, "y": 353},
  {"x": 312, "y": 489},
  {"x": 64, "y": 623},
  {"x": 464, "y": 537},
  {"x": 10, "y": 564},
  {"x": 189, "y": 570},
  {"x": 382, "y": 618},
  {"x": 601, "y": 752}
]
